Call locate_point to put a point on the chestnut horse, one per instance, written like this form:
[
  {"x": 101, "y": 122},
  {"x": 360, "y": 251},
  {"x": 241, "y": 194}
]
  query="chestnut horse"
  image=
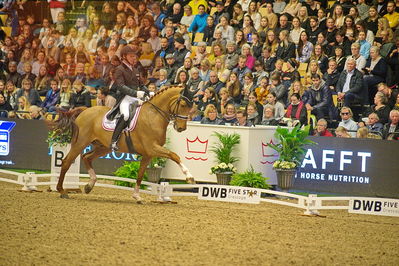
[{"x": 148, "y": 137}]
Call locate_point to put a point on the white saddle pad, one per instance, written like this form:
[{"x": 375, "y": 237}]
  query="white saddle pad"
[{"x": 109, "y": 125}]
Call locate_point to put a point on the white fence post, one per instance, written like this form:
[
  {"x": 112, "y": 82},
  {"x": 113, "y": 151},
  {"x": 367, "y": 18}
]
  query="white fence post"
[
  {"x": 164, "y": 192},
  {"x": 312, "y": 204},
  {"x": 27, "y": 179}
]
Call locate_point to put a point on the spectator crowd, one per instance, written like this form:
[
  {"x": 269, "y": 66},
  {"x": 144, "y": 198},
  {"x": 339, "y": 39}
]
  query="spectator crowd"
[{"x": 247, "y": 62}]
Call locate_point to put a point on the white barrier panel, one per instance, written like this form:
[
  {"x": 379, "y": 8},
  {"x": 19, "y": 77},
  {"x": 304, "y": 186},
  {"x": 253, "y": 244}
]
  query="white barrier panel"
[
  {"x": 193, "y": 146},
  {"x": 229, "y": 194},
  {"x": 374, "y": 206},
  {"x": 59, "y": 153}
]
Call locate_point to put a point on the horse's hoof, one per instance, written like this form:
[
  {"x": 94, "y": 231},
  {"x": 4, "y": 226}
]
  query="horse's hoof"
[
  {"x": 88, "y": 189},
  {"x": 141, "y": 202},
  {"x": 64, "y": 196}
]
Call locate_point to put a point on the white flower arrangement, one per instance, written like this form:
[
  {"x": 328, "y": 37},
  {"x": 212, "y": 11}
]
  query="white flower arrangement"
[
  {"x": 223, "y": 167},
  {"x": 284, "y": 165}
]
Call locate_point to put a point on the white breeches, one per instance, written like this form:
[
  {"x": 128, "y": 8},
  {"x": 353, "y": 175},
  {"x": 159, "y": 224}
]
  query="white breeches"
[{"x": 124, "y": 106}]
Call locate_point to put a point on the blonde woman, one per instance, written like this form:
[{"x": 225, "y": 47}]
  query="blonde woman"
[
  {"x": 292, "y": 7},
  {"x": 303, "y": 17},
  {"x": 271, "y": 42},
  {"x": 220, "y": 69},
  {"x": 23, "y": 108},
  {"x": 25, "y": 58},
  {"x": 90, "y": 42},
  {"x": 313, "y": 68},
  {"x": 383, "y": 25},
  {"x": 120, "y": 22},
  {"x": 254, "y": 14},
  {"x": 263, "y": 28},
  {"x": 217, "y": 51},
  {"x": 65, "y": 94},
  {"x": 338, "y": 16},
  {"x": 296, "y": 87}
]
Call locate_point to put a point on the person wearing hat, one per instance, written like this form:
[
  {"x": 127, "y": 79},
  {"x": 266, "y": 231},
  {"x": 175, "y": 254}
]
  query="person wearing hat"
[
  {"x": 181, "y": 52},
  {"x": 220, "y": 11},
  {"x": 127, "y": 80},
  {"x": 171, "y": 67}
]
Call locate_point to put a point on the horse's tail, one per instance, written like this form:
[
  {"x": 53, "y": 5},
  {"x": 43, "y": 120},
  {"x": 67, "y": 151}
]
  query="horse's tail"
[{"x": 66, "y": 122}]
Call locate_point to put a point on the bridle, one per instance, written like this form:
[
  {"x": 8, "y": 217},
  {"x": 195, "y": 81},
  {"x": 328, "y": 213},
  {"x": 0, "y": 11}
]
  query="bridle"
[{"x": 174, "y": 114}]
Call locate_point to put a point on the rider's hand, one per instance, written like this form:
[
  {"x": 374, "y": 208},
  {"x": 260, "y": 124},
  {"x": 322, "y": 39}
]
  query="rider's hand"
[
  {"x": 140, "y": 94},
  {"x": 139, "y": 102}
]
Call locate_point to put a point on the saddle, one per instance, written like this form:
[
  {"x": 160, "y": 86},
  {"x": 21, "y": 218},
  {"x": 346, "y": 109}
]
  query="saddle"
[{"x": 114, "y": 113}]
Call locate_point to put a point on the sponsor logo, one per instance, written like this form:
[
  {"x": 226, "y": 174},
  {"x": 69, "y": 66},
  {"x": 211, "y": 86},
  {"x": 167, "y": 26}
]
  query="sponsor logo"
[{"x": 197, "y": 149}]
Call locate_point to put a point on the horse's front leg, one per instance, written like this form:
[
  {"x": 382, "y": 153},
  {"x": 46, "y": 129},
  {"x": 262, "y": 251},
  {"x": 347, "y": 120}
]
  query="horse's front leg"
[
  {"x": 145, "y": 160},
  {"x": 163, "y": 152}
]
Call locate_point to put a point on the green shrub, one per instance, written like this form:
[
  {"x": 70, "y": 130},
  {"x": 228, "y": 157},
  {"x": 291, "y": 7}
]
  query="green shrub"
[
  {"x": 250, "y": 178},
  {"x": 128, "y": 170}
]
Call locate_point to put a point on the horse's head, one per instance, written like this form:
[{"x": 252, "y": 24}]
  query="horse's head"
[{"x": 183, "y": 106}]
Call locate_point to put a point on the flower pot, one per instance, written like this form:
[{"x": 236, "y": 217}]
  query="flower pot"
[
  {"x": 154, "y": 174},
  {"x": 224, "y": 178},
  {"x": 285, "y": 178}
]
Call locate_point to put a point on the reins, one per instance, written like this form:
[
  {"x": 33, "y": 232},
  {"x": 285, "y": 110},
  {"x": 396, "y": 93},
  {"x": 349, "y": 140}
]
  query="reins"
[{"x": 174, "y": 115}]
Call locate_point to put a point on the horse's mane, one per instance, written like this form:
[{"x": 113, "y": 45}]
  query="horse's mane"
[{"x": 165, "y": 89}]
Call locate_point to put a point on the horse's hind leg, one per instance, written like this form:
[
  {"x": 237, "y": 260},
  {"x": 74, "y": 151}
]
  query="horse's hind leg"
[
  {"x": 145, "y": 160},
  {"x": 66, "y": 163},
  {"x": 98, "y": 151},
  {"x": 163, "y": 152}
]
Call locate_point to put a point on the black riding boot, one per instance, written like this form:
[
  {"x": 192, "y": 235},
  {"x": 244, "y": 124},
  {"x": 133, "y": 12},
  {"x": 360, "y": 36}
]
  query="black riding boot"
[{"x": 120, "y": 125}]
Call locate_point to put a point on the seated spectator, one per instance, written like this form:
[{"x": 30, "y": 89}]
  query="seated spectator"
[
  {"x": 195, "y": 83},
  {"x": 291, "y": 73},
  {"x": 331, "y": 76},
  {"x": 209, "y": 97},
  {"x": 319, "y": 55},
  {"x": 278, "y": 88},
  {"x": 214, "y": 82},
  {"x": 278, "y": 107},
  {"x": 229, "y": 116},
  {"x": 296, "y": 87},
  {"x": 263, "y": 90},
  {"x": 224, "y": 99},
  {"x": 342, "y": 132},
  {"x": 268, "y": 116},
  {"x": 227, "y": 31},
  {"x": 285, "y": 49},
  {"x": 52, "y": 97},
  {"x": 296, "y": 110},
  {"x": 35, "y": 113},
  {"x": 211, "y": 116},
  {"x": 393, "y": 61},
  {"x": 10, "y": 94},
  {"x": 200, "y": 54},
  {"x": 347, "y": 121},
  {"x": 22, "y": 108},
  {"x": 321, "y": 129},
  {"x": 241, "y": 68},
  {"x": 339, "y": 57},
  {"x": 392, "y": 15},
  {"x": 80, "y": 97},
  {"x": 104, "y": 99},
  {"x": 162, "y": 81},
  {"x": 199, "y": 22},
  {"x": 253, "y": 98},
  {"x": 318, "y": 98},
  {"x": 65, "y": 94},
  {"x": 391, "y": 129},
  {"x": 242, "y": 120},
  {"x": 304, "y": 49},
  {"x": 247, "y": 88},
  {"x": 252, "y": 114},
  {"x": 29, "y": 92},
  {"x": 360, "y": 60},
  {"x": 5, "y": 107},
  {"x": 362, "y": 133},
  {"x": 205, "y": 70},
  {"x": 350, "y": 85},
  {"x": 313, "y": 68},
  {"x": 380, "y": 107},
  {"x": 375, "y": 72},
  {"x": 373, "y": 124},
  {"x": 259, "y": 73},
  {"x": 364, "y": 45}
]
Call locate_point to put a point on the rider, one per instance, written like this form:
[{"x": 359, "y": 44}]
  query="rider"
[{"x": 128, "y": 91}]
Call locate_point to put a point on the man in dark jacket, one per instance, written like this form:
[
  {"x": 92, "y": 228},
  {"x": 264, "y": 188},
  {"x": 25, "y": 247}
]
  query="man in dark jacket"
[
  {"x": 350, "y": 84},
  {"x": 128, "y": 80},
  {"x": 181, "y": 51},
  {"x": 318, "y": 98}
]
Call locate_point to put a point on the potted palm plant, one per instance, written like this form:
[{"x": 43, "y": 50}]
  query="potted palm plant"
[
  {"x": 223, "y": 150},
  {"x": 291, "y": 150},
  {"x": 250, "y": 178}
]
